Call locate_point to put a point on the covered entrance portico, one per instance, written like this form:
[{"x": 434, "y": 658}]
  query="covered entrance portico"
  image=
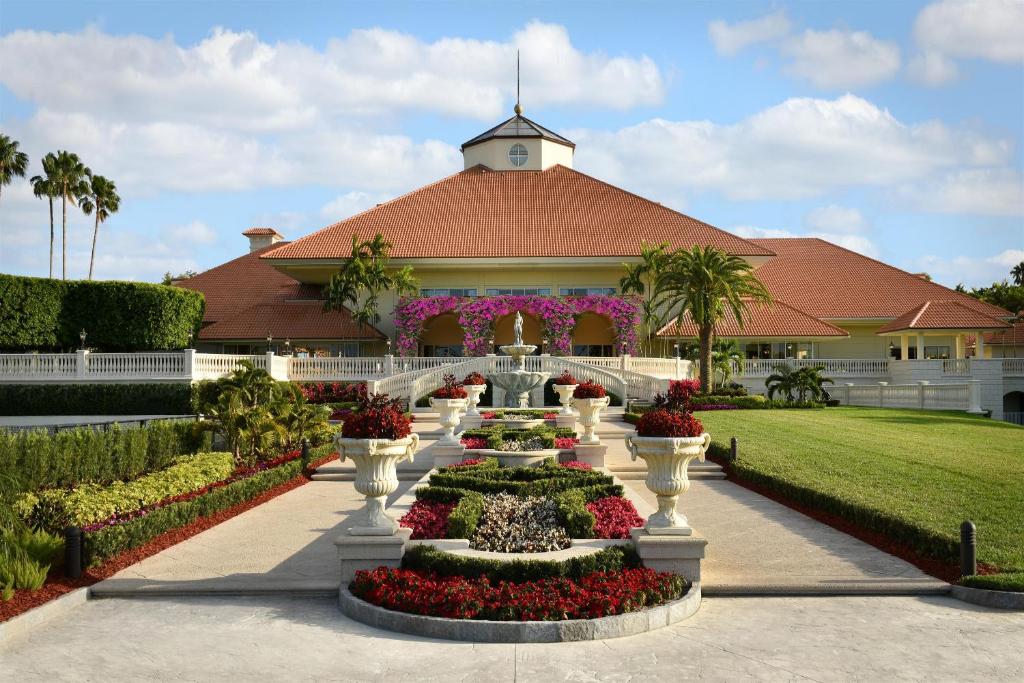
[{"x": 947, "y": 324}]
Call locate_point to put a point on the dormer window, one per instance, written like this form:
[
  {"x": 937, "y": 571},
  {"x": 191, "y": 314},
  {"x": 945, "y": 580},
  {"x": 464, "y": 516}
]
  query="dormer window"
[{"x": 517, "y": 154}]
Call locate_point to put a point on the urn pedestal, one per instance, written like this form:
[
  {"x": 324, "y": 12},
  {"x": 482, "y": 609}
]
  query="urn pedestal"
[
  {"x": 667, "y": 459},
  {"x": 590, "y": 416},
  {"x": 376, "y": 478},
  {"x": 448, "y": 411}
]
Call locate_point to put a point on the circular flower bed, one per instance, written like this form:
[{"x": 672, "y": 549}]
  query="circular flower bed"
[{"x": 511, "y": 524}]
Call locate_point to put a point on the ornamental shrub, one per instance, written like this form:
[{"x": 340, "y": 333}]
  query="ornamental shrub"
[
  {"x": 96, "y": 399},
  {"x": 464, "y": 517},
  {"x": 42, "y": 314},
  {"x": 474, "y": 378},
  {"x": 573, "y": 513},
  {"x": 589, "y": 389},
  {"x": 565, "y": 379},
  {"x": 378, "y": 417},
  {"x": 450, "y": 389},
  {"x": 333, "y": 392},
  {"x": 679, "y": 395},
  {"x": 668, "y": 423}
]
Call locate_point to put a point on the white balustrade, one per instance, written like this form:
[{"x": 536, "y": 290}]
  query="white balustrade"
[
  {"x": 1013, "y": 367},
  {"x": 852, "y": 367},
  {"x": 217, "y": 365},
  {"x": 29, "y": 366},
  {"x": 149, "y": 365},
  {"x": 328, "y": 369},
  {"x": 921, "y": 395},
  {"x": 956, "y": 367}
]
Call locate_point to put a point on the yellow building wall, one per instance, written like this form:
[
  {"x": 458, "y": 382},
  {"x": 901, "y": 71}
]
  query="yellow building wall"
[{"x": 864, "y": 342}]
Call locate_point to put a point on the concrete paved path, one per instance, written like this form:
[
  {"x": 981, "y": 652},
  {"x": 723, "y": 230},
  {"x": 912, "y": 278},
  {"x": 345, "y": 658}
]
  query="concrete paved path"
[{"x": 729, "y": 639}]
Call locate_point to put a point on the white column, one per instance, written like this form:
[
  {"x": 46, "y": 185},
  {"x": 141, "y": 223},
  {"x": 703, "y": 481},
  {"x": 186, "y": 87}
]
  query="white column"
[
  {"x": 920, "y": 346},
  {"x": 974, "y": 396},
  {"x": 679, "y": 367},
  {"x": 979, "y": 345},
  {"x": 904, "y": 346},
  {"x": 81, "y": 362},
  {"x": 921, "y": 384},
  {"x": 625, "y": 361},
  {"x": 881, "y": 393},
  {"x": 389, "y": 365},
  {"x": 960, "y": 346},
  {"x": 190, "y": 363}
]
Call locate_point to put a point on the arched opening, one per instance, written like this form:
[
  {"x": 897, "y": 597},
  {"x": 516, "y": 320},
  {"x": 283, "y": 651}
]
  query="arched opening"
[
  {"x": 504, "y": 332},
  {"x": 1013, "y": 407},
  {"x": 442, "y": 336},
  {"x": 594, "y": 335}
]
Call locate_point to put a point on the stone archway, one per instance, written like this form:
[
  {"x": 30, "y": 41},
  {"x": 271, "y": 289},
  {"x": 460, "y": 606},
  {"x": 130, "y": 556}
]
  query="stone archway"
[
  {"x": 442, "y": 336},
  {"x": 505, "y": 334},
  {"x": 1013, "y": 407},
  {"x": 594, "y": 335}
]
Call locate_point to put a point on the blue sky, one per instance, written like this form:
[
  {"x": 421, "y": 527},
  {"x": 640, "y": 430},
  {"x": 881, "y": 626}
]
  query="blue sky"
[{"x": 892, "y": 128}]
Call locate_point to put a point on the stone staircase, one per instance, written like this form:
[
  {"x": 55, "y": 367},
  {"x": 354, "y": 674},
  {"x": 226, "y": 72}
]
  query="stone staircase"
[{"x": 696, "y": 470}]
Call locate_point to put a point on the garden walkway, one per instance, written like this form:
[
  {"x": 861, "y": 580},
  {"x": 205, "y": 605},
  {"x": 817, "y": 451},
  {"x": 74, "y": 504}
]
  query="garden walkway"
[{"x": 756, "y": 546}]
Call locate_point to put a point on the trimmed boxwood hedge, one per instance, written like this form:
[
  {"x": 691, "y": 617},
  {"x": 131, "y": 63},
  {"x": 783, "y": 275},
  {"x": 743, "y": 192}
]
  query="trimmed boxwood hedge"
[
  {"x": 42, "y": 314},
  {"x": 96, "y": 399},
  {"x": 100, "y": 545},
  {"x": 429, "y": 558},
  {"x": 85, "y": 455}
]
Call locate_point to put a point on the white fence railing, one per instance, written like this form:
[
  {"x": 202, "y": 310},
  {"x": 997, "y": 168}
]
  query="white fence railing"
[
  {"x": 321, "y": 369},
  {"x": 833, "y": 367},
  {"x": 956, "y": 367},
  {"x": 1013, "y": 367},
  {"x": 921, "y": 395}
]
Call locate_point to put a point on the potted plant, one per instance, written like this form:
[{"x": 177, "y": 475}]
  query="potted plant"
[
  {"x": 449, "y": 401},
  {"x": 589, "y": 398},
  {"x": 474, "y": 384},
  {"x": 565, "y": 385},
  {"x": 377, "y": 436},
  {"x": 668, "y": 440}
]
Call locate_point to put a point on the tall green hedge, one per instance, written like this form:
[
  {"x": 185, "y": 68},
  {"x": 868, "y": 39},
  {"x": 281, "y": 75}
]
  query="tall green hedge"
[
  {"x": 40, "y": 314},
  {"x": 96, "y": 399}
]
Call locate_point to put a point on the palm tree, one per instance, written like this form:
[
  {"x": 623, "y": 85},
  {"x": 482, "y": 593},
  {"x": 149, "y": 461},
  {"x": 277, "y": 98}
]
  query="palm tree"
[
  {"x": 70, "y": 182},
  {"x": 12, "y": 162},
  {"x": 43, "y": 186},
  {"x": 726, "y": 356},
  {"x": 1018, "y": 273},
  {"x": 784, "y": 381},
  {"x": 706, "y": 282},
  {"x": 101, "y": 198},
  {"x": 810, "y": 381},
  {"x": 649, "y": 279}
]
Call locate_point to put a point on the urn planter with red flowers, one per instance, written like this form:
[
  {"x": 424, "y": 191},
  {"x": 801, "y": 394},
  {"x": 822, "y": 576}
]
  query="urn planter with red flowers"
[
  {"x": 589, "y": 399},
  {"x": 668, "y": 441},
  {"x": 376, "y": 438},
  {"x": 474, "y": 385},
  {"x": 449, "y": 401},
  {"x": 565, "y": 385}
]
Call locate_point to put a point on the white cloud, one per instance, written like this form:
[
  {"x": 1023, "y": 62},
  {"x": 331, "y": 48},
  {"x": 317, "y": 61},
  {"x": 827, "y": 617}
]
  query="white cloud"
[
  {"x": 932, "y": 68},
  {"x": 349, "y": 204},
  {"x": 986, "y": 29},
  {"x": 729, "y": 39},
  {"x": 195, "y": 232},
  {"x": 800, "y": 148},
  {"x": 857, "y": 243},
  {"x": 841, "y": 59},
  {"x": 977, "y": 191},
  {"x": 836, "y": 219},
  {"x": 972, "y": 271}
]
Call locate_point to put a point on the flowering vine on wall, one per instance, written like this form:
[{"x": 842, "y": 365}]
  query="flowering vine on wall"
[{"x": 477, "y": 316}]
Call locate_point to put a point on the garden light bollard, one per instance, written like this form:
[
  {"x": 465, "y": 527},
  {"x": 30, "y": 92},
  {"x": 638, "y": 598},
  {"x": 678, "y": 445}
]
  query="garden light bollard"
[
  {"x": 968, "y": 549},
  {"x": 667, "y": 459},
  {"x": 590, "y": 416},
  {"x": 376, "y": 478},
  {"x": 305, "y": 454},
  {"x": 733, "y": 449},
  {"x": 73, "y": 552},
  {"x": 564, "y": 392}
]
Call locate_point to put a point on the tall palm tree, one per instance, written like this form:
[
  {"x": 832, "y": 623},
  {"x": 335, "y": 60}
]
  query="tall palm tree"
[
  {"x": 43, "y": 186},
  {"x": 101, "y": 198},
  {"x": 70, "y": 181},
  {"x": 649, "y": 279},
  {"x": 706, "y": 282},
  {"x": 12, "y": 162},
  {"x": 1017, "y": 272}
]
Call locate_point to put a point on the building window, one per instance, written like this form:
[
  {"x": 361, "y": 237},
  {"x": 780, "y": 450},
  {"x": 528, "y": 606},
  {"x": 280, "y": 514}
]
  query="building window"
[
  {"x": 584, "y": 291},
  {"x": 936, "y": 352},
  {"x": 517, "y": 155},
  {"x": 443, "y": 351},
  {"x": 448, "y": 291},
  {"x": 518, "y": 291},
  {"x": 777, "y": 350},
  {"x": 602, "y": 350}
]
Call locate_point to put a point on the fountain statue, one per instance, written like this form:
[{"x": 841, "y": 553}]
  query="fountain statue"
[{"x": 519, "y": 383}]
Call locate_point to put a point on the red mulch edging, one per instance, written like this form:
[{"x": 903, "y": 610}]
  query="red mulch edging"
[
  {"x": 57, "y": 584},
  {"x": 940, "y": 569}
]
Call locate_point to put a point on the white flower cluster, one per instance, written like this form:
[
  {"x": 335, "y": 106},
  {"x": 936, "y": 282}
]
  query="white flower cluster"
[
  {"x": 534, "y": 443},
  {"x": 511, "y": 524}
]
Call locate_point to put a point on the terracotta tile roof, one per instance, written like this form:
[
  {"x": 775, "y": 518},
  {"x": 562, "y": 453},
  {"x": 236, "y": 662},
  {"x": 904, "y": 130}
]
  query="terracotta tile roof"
[
  {"x": 518, "y": 127},
  {"x": 255, "y": 232},
  {"x": 294, "y": 319},
  {"x": 238, "y": 284},
  {"x": 1013, "y": 336},
  {"x": 942, "y": 315},
  {"x": 776, "y": 320},
  {"x": 828, "y": 281},
  {"x": 479, "y": 213}
]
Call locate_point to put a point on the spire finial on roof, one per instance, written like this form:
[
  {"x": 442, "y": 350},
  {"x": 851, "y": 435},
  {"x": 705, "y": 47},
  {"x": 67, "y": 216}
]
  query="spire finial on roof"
[{"x": 518, "y": 108}]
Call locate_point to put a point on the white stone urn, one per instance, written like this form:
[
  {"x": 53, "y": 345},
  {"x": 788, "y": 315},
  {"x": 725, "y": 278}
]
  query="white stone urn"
[
  {"x": 448, "y": 410},
  {"x": 590, "y": 416},
  {"x": 667, "y": 459},
  {"x": 473, "y": 392},
  {"x": 376, "y": 477},
  {"x": 564, "y": 392}
]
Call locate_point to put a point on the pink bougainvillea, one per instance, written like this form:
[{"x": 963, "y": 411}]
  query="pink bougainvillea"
[{"x": 557, "y": 316}]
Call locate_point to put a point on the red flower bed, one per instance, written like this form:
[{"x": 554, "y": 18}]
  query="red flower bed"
[
  {"x": 596, "y": 595},
  {"x": 427, "y": 519},
  {"x": 566, "y": 442},
  {"x": 565, "y": 378},
  {"x": 474, "y": 378},
  {"x": 474, "y": 442},
  {"x": 378, "y": 417},
  {"x": 489, "y": 415},
  {"x": 467, "y": 463},
  {"x": 589, "y": 389},
  {"x": 576, "y": 465},
  {"x": 668, "y": 423},
  {"x": 614, "y": 517},
  {"x": 333, "y": 392},
  {"x": 450, "y": 389}
]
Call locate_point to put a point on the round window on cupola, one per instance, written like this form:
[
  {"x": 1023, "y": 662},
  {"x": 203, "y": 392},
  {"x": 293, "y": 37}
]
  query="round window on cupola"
[{"x": 517, "y": 154}]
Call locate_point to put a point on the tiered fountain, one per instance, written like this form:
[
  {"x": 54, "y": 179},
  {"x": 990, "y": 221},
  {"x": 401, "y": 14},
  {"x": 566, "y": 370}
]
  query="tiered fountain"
[{"x": 519, "y": 383}]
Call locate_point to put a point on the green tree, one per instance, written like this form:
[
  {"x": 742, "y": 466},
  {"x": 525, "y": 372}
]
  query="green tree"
[
  {"x": 44, "y": 186},
  {"x": 13, "y": 162},
  {"x": 70, "y": 180},
  {"x": 650, "y": 280},
  {"x": 705, "y": 282},
  {"x": 170, "y": 279},
  {"x": 363, "y": 276},
  {"x": 805, "y": 383},
  {"x": 727, "y": 357},
  {"x": 1017, "y": 273},
  {"x": 102, "y": 199}
]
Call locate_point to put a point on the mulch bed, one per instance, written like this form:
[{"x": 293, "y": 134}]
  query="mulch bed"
[
  {"x": 57, "y": 584},
  {"x": 940, "y": 569}
]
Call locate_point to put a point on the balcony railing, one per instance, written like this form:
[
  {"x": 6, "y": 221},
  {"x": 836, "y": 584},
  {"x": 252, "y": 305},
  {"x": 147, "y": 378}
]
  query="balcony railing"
[{"x": 833, "y": 367}]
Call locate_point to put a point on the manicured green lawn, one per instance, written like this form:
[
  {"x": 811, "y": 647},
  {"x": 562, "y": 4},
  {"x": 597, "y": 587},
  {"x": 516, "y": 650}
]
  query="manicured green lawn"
[{"x": 914, "y": 475}]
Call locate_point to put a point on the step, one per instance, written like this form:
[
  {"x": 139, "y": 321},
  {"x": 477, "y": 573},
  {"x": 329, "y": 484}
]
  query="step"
[{"x": 693, "y": 476}]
